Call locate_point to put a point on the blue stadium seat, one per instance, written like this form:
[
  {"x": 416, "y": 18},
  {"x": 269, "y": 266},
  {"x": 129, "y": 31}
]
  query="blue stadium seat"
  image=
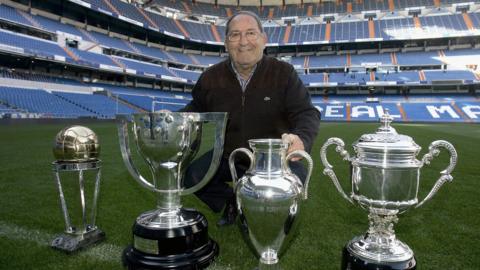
[
  {"x": 33, "y": 46},
  {"x": 39, "y": 101},
  {"x": 101, "y": 106}
]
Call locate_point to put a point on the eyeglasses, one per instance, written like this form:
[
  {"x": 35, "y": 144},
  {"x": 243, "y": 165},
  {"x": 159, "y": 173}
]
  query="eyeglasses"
[{"x": 249, "y": 35}]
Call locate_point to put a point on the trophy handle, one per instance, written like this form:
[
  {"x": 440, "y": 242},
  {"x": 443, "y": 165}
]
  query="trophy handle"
[
  {"x": 220, "y": 119},
  {"x": 433, "y": 151},
  {"x": 309, "y": 160},
  {"x": 122, "y": 126},
  {"x": 231, "y": 164},
  {"x": 329, "y": 168}
]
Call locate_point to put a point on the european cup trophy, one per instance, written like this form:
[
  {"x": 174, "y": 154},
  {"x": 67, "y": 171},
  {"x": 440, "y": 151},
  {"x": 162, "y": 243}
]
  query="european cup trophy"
[
  {"x": 170, "y": 237},
  {"x": 269, "y": 197},
  {"x": 76, "y": 150},
  {"x": 385, "y": 178}
]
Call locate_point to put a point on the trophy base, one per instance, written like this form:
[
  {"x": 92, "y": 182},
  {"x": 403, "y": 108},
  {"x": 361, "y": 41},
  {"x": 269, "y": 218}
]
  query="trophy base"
[
  {"x": 351, "y": 261},
  {"x": 71, "y": 242},
  {"x": 181, "y": 248}
]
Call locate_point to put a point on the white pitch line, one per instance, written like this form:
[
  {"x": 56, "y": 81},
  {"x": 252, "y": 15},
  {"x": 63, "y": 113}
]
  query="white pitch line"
[
  {"x": 102, "y": 251},
  {"x": 15, "y": 232}
]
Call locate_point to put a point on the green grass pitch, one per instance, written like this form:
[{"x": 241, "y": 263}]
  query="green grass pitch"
[{"x": 444, "y": 233}]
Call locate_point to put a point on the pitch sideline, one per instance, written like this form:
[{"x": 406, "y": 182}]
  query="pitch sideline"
[{"x": 102, "y": 251}]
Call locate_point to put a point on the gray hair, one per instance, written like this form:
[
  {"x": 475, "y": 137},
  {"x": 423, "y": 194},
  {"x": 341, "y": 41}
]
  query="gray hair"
[{"x": 247, "y": 13}]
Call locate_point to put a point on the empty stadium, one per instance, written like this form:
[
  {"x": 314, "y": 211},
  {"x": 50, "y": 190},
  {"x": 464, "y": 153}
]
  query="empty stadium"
[{"x": 65, "y": 62}]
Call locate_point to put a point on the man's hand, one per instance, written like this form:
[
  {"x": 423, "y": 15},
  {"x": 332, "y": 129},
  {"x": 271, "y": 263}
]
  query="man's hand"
[{"x": 294, "y": 143}]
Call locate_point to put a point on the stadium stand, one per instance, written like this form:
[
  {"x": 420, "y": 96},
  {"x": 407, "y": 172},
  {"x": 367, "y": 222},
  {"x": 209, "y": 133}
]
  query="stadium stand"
[
  {"x": 339, "y": 66},
  {"x": 42, "y": 102},
  {"x": 415, "y": 108},
  {"x": 271, "y": 12},
  {"x": 33, "y": 45},
  {"x": 19, "y": 43},
  {"x": 361, "y": 29},
  {"x": 309, "y": 33},
  {"x": 150, "y": 103},
  {"x": 60, "y": 104},
  {"x": 102, "y": 106}
]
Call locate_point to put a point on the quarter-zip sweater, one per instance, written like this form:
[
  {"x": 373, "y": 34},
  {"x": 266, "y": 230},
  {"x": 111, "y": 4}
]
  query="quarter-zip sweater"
[{"x": 274, "y": 102}]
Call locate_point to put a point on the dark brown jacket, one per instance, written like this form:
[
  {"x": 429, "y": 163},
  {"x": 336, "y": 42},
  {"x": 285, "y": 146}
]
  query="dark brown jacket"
[{"x": 274, "y": 102}]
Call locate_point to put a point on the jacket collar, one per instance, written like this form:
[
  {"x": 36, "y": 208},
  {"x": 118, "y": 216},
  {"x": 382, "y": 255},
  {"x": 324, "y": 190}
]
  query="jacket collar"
[{"x": 260, "y": 63}]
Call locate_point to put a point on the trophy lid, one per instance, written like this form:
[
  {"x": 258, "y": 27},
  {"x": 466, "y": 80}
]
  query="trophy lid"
[{"x": 386, "y": 145}]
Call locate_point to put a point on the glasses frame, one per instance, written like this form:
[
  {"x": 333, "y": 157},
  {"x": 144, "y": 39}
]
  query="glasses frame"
[{"x": 250, "y": 35}]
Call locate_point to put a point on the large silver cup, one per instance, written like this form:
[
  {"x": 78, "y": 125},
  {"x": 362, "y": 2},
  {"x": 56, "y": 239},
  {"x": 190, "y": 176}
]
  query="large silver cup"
[
  {"x": 385, "y": 180},
  {"x": 77, "y": 171},
  {"x": 170, "y": 237},
  {"x": 269, "y": 197}
]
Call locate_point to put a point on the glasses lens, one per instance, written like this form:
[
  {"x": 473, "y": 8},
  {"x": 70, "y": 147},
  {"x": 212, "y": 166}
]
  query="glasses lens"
[
  {"x": 251, "y": 35},
  {"x": 236, "y": 36}
]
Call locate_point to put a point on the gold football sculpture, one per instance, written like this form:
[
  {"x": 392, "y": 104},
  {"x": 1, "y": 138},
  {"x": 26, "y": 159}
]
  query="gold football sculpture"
[{"x": 76, "y": 144}]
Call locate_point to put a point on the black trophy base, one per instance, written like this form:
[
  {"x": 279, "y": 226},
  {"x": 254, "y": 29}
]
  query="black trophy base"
[
  {"x": 179, "y": 248},
  {"x": 352, "y": 262}
]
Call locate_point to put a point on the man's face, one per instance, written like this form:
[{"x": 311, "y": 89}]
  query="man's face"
[{"x": 245, "y": 42}]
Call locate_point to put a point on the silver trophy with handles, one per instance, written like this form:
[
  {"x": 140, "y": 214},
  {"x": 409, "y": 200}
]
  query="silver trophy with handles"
[
  {"x": 385, "y": 177},
  {"x": 77, "y": 172},
  {"x": 170, "y": 236},
  {"x": 269, "y": 197}
]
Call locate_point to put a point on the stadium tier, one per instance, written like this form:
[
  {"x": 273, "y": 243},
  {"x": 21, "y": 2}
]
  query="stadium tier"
[
  {"x": 22, "y": 44},
  {"x": 41, "y": 102},
  {"x": 412, "y": 108},
  {"x": 342, "y": 29},
  {"x": 292, "y": 10},
  {"x": 54, "y": 104},
  {"x": 100, "y": 39},
  {"x": 302, "y": 32},
  {"x": 389, "y": 78},
  {"x": 102, "y": 106},
  {"x": 19, "y": 43}
]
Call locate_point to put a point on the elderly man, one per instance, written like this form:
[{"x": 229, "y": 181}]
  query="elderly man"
[{"x": 264, "y": 98}]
